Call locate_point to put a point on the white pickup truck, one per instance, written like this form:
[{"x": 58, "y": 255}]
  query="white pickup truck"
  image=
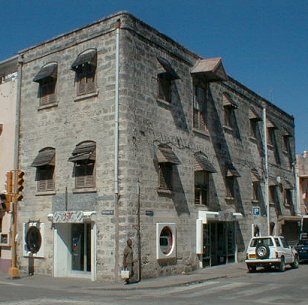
[{"x": 270, "y": 251}]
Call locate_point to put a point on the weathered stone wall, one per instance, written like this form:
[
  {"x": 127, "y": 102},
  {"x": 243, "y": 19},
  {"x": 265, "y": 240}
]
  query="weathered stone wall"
[{"x": 144, "y": 123}]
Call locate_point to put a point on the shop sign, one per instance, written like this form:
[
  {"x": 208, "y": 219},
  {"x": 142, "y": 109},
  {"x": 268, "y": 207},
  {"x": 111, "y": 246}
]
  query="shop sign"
[
  {"x": 107, "y": 212},
  {"x": 256, "y": 211},
  {"x": 68, "y": 217}
]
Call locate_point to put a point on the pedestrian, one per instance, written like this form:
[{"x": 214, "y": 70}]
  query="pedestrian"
[{"x": 128, "y": 259}]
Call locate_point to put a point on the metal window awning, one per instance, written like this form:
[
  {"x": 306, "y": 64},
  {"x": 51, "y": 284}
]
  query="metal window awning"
[
  {"x": 167, "y": 68},
  {"x": 288, "y": 185},
  {"x": 231, "y": 171},
  {"x": 44, "y": 158},
  {"x": 203, "y": 164},
  {"x": 255, "y": 175},
  {"x": 87, "y": 57},
  {"x": 254, "y": 116},
  {"x": 83, "y": 152},
  {"x": 166, "y": 155},
  {"x": 228, "y": 102},
  {"x": 270, "y": 124},
  {"x": 47, "y": 71},
  {"x": 211, "y": 69}
]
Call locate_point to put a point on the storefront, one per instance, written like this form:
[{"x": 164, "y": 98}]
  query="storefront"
[
  {"x": 74, "y": 244},
  {"x": 216, "y": 238}
]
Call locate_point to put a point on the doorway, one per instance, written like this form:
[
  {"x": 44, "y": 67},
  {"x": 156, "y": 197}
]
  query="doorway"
[{"x": 218, "y": 243}]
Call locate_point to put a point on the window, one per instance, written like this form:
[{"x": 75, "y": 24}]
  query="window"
[
  {"x": 253, "y": 128},
  {"x": 272, "y": 193},
  {"x": 85, "y": 68},
  {"x": 271, "y": 136},
  {"x": 229, "y": 106},
  {"x": 83, "y": 157},
  {"x": 165, "y": 176},
  {"x": 286, "y": 143},
  {"x": 164, "y": 87},
  {"x": 288, "y": 197},
  {"x": 45, "y": 178},
  {"x": 47, "y": 79},
  {"x": 165, "y": 79},
  {"x": 166, "y": 160},
  {"x": 165, "y": 240},
  {"x": 230, "y": 187},
  {"x": 199, "y": 111},
  {"x": 201, "y": 187},
  {"x": 256, "y": 191},
  {"x": 45, "y": 166}
]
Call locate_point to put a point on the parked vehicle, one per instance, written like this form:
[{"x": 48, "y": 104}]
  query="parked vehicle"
[
  {"x": 302, "y": 249},
  {"x": 270, "y": 251}
]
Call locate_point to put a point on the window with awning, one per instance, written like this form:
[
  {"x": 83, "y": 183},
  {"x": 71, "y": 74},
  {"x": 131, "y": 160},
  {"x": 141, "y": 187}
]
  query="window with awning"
[
  {"x": 83, "y": 157},
  {"x": 211, "y": 69},
  {"x": 85, "y": 68},
  {"x": 45, "y": 165},
  {"x": 47, "y": 79}
]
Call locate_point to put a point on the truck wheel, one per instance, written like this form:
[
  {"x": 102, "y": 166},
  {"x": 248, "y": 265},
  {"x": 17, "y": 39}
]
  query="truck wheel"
[
  {"x": 251, "y": 268},
  {"x": 282, "y": 265},
  {"x": 295, "y": 264}
]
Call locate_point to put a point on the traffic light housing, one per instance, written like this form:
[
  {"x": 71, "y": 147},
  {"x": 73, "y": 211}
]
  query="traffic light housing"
[
  {"x": 19, "y": 184},
  {"x": 9, "y": 182}
]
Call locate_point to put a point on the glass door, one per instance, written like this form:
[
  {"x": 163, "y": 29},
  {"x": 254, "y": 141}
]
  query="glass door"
[{"x": 81, "y": 247}]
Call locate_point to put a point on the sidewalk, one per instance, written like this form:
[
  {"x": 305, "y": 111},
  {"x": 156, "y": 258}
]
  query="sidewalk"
[{"x": 198, "y": 276}]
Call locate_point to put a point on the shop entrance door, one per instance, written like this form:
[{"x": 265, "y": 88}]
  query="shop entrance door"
[
  {"x": 81, "y": 247},
  {"x": 218, "y": 243}
]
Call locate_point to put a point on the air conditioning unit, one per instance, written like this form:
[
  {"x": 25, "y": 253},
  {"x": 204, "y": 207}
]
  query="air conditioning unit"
[{"x": 5, "y": 239}]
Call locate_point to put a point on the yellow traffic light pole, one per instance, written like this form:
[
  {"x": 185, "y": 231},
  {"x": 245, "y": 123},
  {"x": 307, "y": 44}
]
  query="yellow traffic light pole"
[{"x": 15, "y": 185}]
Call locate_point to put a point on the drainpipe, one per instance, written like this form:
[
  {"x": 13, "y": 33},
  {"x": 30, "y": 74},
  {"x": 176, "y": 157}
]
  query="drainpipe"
[
  {"x": 266, "y": 171},
  {"x": 116, "y": 152}
]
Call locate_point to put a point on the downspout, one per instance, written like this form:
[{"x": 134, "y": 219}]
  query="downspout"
[
  {"x": 266, "y": 197},
  {"x": 116, "y": 152}
]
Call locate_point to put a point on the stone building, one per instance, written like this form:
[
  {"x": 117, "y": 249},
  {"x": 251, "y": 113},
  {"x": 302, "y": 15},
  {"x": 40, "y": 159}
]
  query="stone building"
[
  {"x": 127, "y": 134},
  {"x": 8, "y": 151},
  {"x": 302, "y": 164}
]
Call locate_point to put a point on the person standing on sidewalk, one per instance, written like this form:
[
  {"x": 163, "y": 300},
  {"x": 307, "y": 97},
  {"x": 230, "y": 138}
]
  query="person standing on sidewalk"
[{"x": 128, "y": 259}]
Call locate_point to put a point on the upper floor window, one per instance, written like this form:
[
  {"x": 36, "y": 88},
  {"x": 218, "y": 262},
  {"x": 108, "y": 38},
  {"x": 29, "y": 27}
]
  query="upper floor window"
[
  {"x": 165, "y": 79},
  {"x": 85, "y": 68},
  {"x": 253, "y": 124},
  {"x": 203, "y": 168},
  {"x": 167, "y": 160},
  {"x": 230, "y": 179},
  {"x": 45, "y": 166},
  {"x": 288, "y": 197},
  {"x": 47, "y": 79},
  {"x": 199, "y": 111},
  {"x": 84, "y": 156},
  {"x": 229, "y": 106}
]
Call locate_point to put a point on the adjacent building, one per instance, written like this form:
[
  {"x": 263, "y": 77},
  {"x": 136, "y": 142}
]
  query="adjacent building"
[
  {"x": 124, "y": 133},
  {"x": 8, "y": 150}
]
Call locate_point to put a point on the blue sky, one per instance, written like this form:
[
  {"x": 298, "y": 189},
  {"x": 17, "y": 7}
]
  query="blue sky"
[{"x": 264, "y": 43}]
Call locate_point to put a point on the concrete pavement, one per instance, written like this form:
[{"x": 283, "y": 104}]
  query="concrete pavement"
[{"x": 198, "y": 276}]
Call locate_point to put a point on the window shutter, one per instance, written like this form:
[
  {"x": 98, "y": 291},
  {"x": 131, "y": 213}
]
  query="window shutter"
[{"x": 81, "y": 85}]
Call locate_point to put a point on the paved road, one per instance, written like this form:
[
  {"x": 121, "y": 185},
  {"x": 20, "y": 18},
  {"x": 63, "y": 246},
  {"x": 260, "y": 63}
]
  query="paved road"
[{"x": 257, "y": 288}]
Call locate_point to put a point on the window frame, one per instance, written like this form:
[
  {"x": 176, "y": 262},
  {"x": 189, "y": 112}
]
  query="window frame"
[
  {"x": 164, "y": 84},
  {"x": 230, "y": 187},
  {"x": 86, "y": 79},
  {"x": 45, "y": 185},
  {"x": 200, "y": 99},
  {"x": 47, "y": 91},
  {"x": 202, "y": 189},
  {"x": 165, "y": 181}
]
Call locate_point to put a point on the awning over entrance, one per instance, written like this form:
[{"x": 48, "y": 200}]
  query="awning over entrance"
[
  {"x": 211, "y": 69},
  {"x": 71, "y": 216},
  {"x": 47, "y": 71},
  {"x": 283, "y": 219},
  {"x": 206, "y": 216}
]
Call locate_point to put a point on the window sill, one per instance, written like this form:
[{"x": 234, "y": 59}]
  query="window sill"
[
  {"x": 228, "y": 128},
  {"x": 255, "y": 201},
  {"x": 84, "y": 190},
  {"x": 270, "y": 146},
  {"x": 229, "y": 199},
  {"x": 164, "y": 103},
  {"x": 51, "y": 105},
  {"x": 253, "y": 139},
  {"x": 86, "y": 96},
  {"x": 46, "y": 193},
  {"x": 201, "y": 132},
  {"x": 164, "y": 191}
]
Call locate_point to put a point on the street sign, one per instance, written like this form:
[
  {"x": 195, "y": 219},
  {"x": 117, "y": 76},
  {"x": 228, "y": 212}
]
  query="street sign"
[{"x": 256, "y": 211}]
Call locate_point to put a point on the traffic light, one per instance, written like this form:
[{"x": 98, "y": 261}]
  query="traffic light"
[
  {"x": 19, "y": 184},
  {"x": 8, "y": 201},
  {"x": 9, "y": 182}
]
